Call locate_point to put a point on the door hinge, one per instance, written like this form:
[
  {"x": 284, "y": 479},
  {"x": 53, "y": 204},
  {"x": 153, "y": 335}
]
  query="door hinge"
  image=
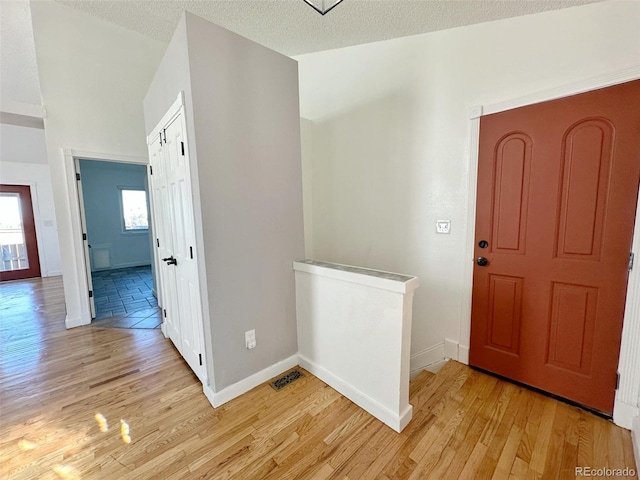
[
  {"x": 77, "y": 176},
  {"x": 191, "y": 252},
  {"x": 617, "y": 380},
  {"x": 200, "y": 357},
  {"x": 84, "y": 236},
  {"x": 158, "y": 242},
  {"x": 631, "y": 259},
  {"x": 164, "y": 130},
  {"x": 90, "y": 293},
  {"x": 160, "y": 138},
  {"x": 164, "y": 311},
  {"x": 182, "y": 147},
  {"x": 150, "y": 170}
]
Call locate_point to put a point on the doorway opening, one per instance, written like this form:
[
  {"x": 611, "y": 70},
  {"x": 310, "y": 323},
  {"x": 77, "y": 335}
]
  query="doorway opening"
[
  {"x": 114, "y": 208},
  {"x": 18, "y": 241}
]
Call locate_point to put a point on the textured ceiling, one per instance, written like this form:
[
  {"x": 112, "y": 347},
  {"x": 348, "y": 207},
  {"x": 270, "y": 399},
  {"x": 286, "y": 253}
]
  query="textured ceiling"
[
  {"x": 292, "y": 27},
  {"x": 19, "y": 73}
]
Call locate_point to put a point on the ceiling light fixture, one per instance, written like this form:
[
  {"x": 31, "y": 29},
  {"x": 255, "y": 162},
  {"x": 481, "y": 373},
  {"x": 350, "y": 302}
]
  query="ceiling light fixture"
[{"x": 322, "y": 6}]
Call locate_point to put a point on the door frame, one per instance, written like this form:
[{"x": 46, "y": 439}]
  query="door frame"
[
  {"x": 85, "y": 238},
  {"x": 36, "y": 234},
  {"x": 80, "y": 265},
  {"x": 35, "y": 206},
  {"x": 626, "y": 405}
]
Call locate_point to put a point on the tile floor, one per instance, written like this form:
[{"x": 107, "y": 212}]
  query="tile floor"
[{"x": 124, "y": 298}]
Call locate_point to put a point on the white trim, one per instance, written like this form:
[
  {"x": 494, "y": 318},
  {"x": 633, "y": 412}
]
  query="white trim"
[
  {"x": 37, "y": 220},
  {"x": 104, "y": 157},
  {"x": 463, "y": 354},
  {"x": 78, "y": 260},
  {"x": 424, "y": 358},
  {"x": 232, "y": 391},
  {"x": 623, "y": 413},
  {"x": 627, "y": 402},
  {"x": 450, "y": 349},
  {"x": 359, "y": 278},
  {"x": 174, "y": 110},
  {"x": 582, "y": 86},
  {"x": 397, "y": 422},
  {"x": 602, "y": 81},
  {"x": 26, "y": 109},
  {"x": 123, "y": 265},
  {"x": 635, "y": 438},
  {"x": 467, "y": 281},
  {"x": 86, "y": 257},
  {"x": 75, "y": 322}
]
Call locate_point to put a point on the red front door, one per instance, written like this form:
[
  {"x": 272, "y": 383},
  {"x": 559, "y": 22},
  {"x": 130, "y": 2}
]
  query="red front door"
[
  {"x": 18, "y": 244},
  {"x": 557, "y": 192}
]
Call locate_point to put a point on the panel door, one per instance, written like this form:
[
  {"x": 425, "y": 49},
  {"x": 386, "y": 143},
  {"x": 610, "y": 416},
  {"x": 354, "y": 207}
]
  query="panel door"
[
  {"x": 183, "y": 239},
  {"x": 164, "y": 244},
  {"x": 557, "y": 192}
]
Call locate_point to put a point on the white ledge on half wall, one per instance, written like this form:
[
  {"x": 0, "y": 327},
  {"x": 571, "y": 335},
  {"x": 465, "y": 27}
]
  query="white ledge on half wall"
[{"x": 354, "y": 333}]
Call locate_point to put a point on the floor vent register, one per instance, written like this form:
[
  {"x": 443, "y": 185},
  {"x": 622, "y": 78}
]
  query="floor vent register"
[{"x": 286, "y": 379}]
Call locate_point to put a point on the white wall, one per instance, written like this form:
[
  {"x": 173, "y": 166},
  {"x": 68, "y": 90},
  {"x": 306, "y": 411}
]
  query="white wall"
[
  {"x": 93, "y": 77},
  {"x": 23, "y": 161},
  {"x": 101, "y": 186},
  {"x": 354, "y": 333},
  {"x": 392, "y": 134}
]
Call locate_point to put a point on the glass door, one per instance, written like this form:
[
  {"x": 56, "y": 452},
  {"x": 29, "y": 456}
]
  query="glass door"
[{"x": 18, "y": 244}]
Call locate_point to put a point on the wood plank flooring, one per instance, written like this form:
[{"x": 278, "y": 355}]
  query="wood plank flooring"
[{"x": 54, "y": 382}]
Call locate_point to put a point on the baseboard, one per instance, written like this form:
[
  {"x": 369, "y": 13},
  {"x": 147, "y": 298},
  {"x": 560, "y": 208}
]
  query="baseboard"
[
  {"x": 395, "y": 421},
  {"x": 122, "y": 265},
  {"x": 624, "y": 414},
  {"x": 73, "y": 322},
  {"x": 50, "y": 273},
  {"x": 450, "y": 349},
  {"x": 232, "y": 391},
  {"x": 435, "y": 367},
  {"x": 463, "y": 354},
  {"x": 426, "y": 357},
  {"x": 635, "y": 438},
  {"x": 163, "y": 329}
]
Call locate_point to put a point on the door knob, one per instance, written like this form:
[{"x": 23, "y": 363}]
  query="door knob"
[
  {"x": 482, "y": 262},
  {"x": 170, "y": 260}
]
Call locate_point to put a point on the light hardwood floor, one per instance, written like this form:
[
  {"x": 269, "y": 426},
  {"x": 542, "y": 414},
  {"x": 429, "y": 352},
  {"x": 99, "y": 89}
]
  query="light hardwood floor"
[{"x": 53, "y": 383}]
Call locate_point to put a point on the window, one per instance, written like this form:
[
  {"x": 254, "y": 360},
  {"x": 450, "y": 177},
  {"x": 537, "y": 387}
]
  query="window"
[{"x": 134, "y": 210}]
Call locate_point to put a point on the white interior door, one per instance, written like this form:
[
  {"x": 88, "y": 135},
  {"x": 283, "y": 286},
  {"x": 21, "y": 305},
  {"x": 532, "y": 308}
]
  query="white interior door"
[
  {"x": 174, "y": 220},
  {"x": 164, "y": 242},
  {"x": 85, "y": 240},
  {"x": 183, "y": 236}
]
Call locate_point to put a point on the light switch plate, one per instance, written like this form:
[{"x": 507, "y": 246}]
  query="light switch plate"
[
  {"x": 443, "y": 226},
  {"x": 250, "y": 339}
]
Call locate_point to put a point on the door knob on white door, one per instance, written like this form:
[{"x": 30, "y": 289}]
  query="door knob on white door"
[{"x": 170, "y": 261}]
